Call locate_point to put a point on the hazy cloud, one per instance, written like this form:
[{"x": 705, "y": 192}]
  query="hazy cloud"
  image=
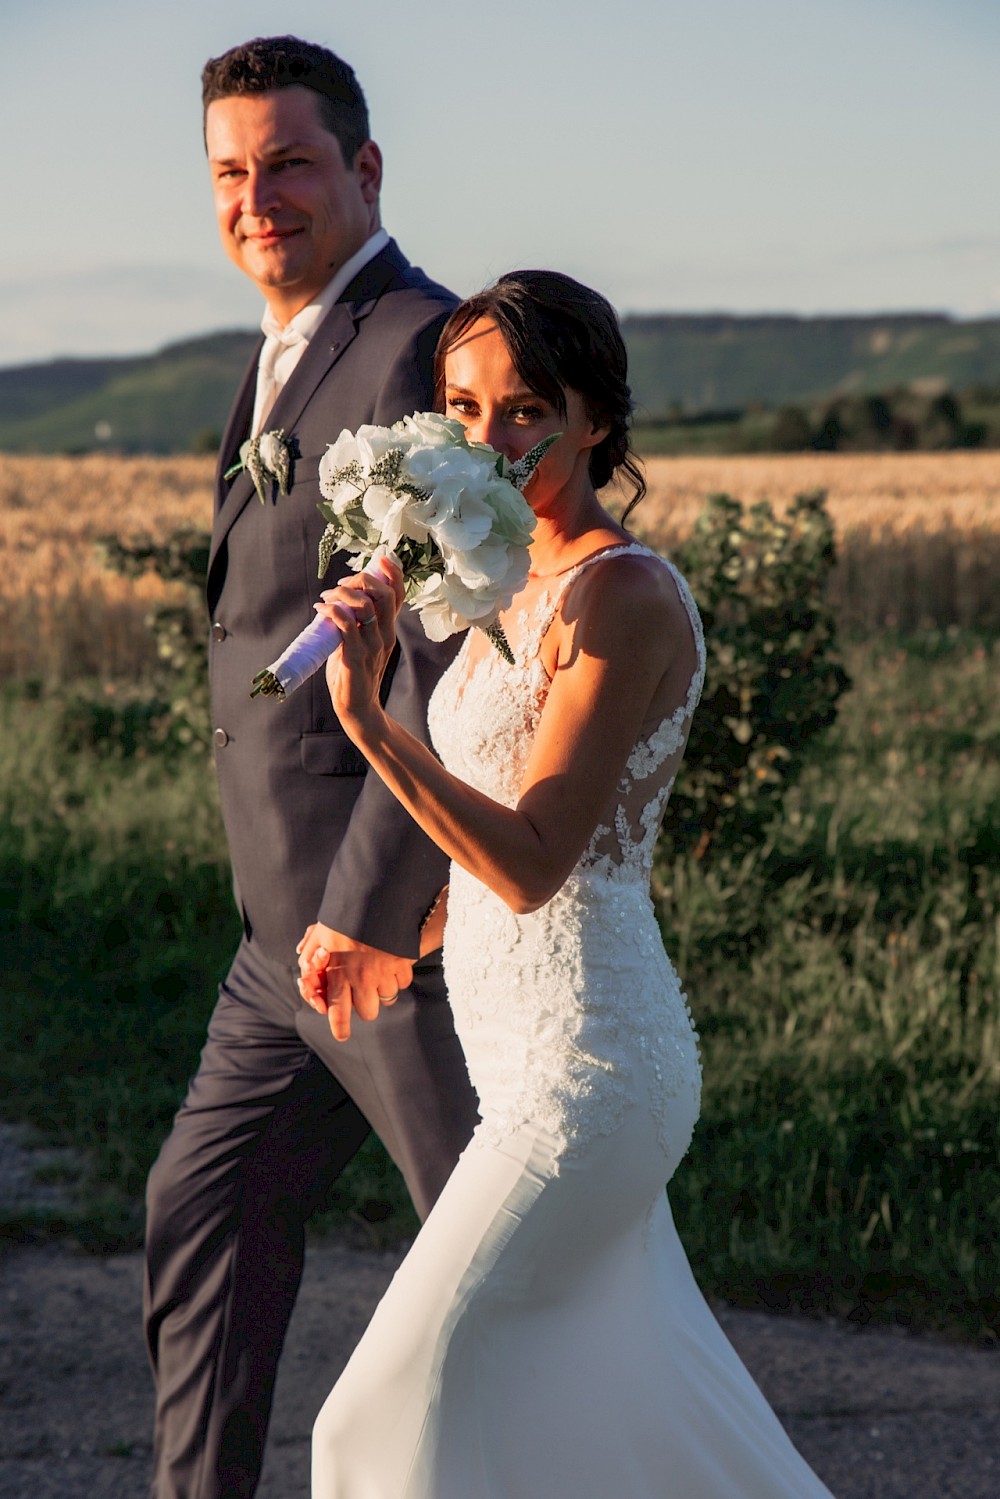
[
  {"x": 117, "y": 309},
  {"x": 132, "y": 309}
]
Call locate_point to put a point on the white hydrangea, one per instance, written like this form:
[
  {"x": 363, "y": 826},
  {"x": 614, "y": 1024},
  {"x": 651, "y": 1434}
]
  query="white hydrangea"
[{"x": 449, "y": 511}]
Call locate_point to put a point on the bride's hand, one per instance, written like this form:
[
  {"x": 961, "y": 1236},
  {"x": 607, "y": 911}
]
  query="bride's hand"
[{"x": 365, "y": 608}]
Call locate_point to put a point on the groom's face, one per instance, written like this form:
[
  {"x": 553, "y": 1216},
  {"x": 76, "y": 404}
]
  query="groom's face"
[{"x": 290, "y": 210}]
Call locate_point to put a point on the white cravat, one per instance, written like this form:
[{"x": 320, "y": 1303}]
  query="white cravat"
[{"x": 285, "y": 346}]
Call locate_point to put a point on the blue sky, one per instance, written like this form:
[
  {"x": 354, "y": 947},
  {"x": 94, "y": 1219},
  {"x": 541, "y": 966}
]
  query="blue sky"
[{"x": 743, "y": 155}]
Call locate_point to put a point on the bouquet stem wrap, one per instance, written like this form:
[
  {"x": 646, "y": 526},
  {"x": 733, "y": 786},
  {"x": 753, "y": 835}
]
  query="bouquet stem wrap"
[{"x": 308, "y": 652}]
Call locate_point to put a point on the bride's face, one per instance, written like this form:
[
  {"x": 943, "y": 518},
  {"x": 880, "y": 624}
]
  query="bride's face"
[{"x": 485, "y": 392}]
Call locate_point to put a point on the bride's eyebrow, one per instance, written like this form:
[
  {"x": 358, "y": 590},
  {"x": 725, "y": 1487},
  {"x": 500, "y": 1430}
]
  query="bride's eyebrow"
[{"x": 524, "y": 394}]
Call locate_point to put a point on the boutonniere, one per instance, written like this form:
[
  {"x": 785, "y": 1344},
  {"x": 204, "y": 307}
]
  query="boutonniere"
[{"x": 268, "y": 459}]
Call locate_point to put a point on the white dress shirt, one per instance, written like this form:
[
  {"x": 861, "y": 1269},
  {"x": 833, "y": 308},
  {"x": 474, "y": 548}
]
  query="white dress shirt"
[{"x": 285, "y": 346}]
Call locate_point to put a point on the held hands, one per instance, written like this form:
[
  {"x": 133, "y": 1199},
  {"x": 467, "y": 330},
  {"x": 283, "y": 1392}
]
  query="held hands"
[
  {"x": 365, "y": 608},
  {"x": 338, "y": 975}
]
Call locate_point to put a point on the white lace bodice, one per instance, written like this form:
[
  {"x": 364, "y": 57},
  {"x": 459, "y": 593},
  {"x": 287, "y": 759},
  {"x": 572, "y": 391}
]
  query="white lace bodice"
[
  {"x": 555, "y": 1008},
  {"x": 484, "y": 718}
]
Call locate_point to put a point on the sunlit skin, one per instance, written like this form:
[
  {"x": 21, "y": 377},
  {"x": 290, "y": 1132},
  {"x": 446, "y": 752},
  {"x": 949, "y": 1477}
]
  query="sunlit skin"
[
  {"x": 485, "y": 392},
  {"x": 620, "y": 659},
  {"x": 290, "y": 211}
]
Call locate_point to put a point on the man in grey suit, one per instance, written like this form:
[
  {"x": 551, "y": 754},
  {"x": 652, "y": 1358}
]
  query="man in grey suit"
[{"x": 322, "y": 855}]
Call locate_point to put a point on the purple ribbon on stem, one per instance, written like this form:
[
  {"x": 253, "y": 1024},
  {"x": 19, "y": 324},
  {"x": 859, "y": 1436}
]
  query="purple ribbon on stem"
[{"x": 310, "y": 650}]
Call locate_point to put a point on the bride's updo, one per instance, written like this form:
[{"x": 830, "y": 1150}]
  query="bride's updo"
[{"x": 560, "y": 334}]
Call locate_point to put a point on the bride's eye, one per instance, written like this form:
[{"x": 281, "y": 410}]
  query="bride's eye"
[
  {"x": 527, "y": 413},
  {"x": 462, "y": 405}
]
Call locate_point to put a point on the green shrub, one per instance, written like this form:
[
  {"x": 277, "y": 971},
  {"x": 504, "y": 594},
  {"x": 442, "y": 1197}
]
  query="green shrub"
[
  {"x": 180, "y": 628},
  {"x": 773, "y": 677},
  {"x": 111, "y": 724}
]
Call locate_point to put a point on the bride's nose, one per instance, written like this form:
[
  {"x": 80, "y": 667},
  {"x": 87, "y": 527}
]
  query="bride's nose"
[{"x": 491, "y": 428}]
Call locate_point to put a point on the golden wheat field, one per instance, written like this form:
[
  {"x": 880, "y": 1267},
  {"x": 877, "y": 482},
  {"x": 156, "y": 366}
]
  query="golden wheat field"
[
  {"x": 918, "y": 539},
  {"x": 61, "y": 614},
  {"x": 918, "y": 534}
]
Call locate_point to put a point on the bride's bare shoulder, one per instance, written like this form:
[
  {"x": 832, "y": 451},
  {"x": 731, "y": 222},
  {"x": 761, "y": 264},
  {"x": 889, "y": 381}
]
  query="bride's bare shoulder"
[
  {"x": 625, "y": 583},
  {"x": 629, "y": 601}
]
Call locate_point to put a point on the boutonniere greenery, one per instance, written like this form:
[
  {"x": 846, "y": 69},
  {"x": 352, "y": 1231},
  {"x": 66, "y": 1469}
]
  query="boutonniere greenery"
[{"x": 268, "y": 459}]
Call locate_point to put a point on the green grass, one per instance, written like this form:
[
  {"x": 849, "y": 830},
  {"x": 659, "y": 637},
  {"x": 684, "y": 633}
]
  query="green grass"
[
  {"x": 844, "y": 979},
  {"x": 115, "y": 919},
  {"x": 116, "y": 925}
]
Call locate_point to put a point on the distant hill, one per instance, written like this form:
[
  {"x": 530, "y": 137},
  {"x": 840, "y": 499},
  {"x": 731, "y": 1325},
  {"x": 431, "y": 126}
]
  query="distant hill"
[
  {"x": 178, "y": 398},
  {"x": 722, "y": 363},
  {"x": 166, "y": 402}
]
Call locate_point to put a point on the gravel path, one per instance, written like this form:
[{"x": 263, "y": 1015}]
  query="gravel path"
[{"x": 879, "y": 1416}]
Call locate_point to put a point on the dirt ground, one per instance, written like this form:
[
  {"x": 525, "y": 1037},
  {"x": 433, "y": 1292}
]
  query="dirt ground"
[{"x": 879, "y": 1415}]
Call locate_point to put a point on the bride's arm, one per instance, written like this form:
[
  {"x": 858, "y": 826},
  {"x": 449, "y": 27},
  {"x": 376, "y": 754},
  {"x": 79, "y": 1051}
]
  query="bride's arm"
[{"x": 627, "y": 631}]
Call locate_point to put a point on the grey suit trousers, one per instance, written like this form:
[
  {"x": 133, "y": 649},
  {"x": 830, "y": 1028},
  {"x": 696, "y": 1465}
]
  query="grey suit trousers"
[{"x": 276, "y": 1110}]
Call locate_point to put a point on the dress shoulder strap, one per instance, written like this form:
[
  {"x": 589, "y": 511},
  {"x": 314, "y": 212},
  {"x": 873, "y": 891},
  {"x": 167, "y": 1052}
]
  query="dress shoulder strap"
[
  {"x": 554, "y": 596},
  {"x": 535, "y": 629},
  {"x": 566, "y": 580},
  {"x": 618, "y": 549},
  {"x": 550, "y": 601}
]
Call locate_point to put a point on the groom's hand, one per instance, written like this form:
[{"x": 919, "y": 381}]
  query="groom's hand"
[{"x": 338, "y": 975}]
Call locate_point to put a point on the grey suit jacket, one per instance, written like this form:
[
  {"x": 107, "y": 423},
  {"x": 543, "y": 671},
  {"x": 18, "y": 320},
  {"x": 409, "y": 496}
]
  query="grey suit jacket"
[{"x": 311, "y": 834}]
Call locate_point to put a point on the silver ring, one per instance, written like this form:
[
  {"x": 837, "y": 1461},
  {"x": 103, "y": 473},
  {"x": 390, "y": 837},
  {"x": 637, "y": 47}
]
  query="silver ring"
[{"x": 371, "y": 621}]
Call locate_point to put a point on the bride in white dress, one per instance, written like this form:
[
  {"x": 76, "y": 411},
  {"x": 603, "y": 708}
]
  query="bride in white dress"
[{"x": 544, "y": 1338}]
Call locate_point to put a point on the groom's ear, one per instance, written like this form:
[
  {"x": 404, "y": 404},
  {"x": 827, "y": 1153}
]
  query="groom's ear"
[{"x": 367, "y": 168}]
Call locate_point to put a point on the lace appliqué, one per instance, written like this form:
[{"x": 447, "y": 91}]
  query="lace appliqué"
[
  {"x": 623, "y": 848},
  {"x": 556, "y": 1009}
]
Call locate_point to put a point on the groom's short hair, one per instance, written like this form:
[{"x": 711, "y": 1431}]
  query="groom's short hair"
[{"x": 273, "y": 62}]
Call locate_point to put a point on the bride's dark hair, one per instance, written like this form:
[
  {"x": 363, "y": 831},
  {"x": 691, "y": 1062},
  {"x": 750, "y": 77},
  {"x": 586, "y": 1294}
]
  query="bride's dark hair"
[{"x": 560, "y": 334}]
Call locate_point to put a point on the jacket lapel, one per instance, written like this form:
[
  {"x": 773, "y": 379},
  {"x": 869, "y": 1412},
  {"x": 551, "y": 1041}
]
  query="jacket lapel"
[
  {"x": 237, "y": 429},
  {"x": 338, "y": 329},
  {"x": 331, "y": 338},
  {"x": 336, "y": 332}
]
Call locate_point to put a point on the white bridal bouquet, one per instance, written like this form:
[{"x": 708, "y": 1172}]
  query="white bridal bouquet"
[{"x": 449, "y": 511}]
